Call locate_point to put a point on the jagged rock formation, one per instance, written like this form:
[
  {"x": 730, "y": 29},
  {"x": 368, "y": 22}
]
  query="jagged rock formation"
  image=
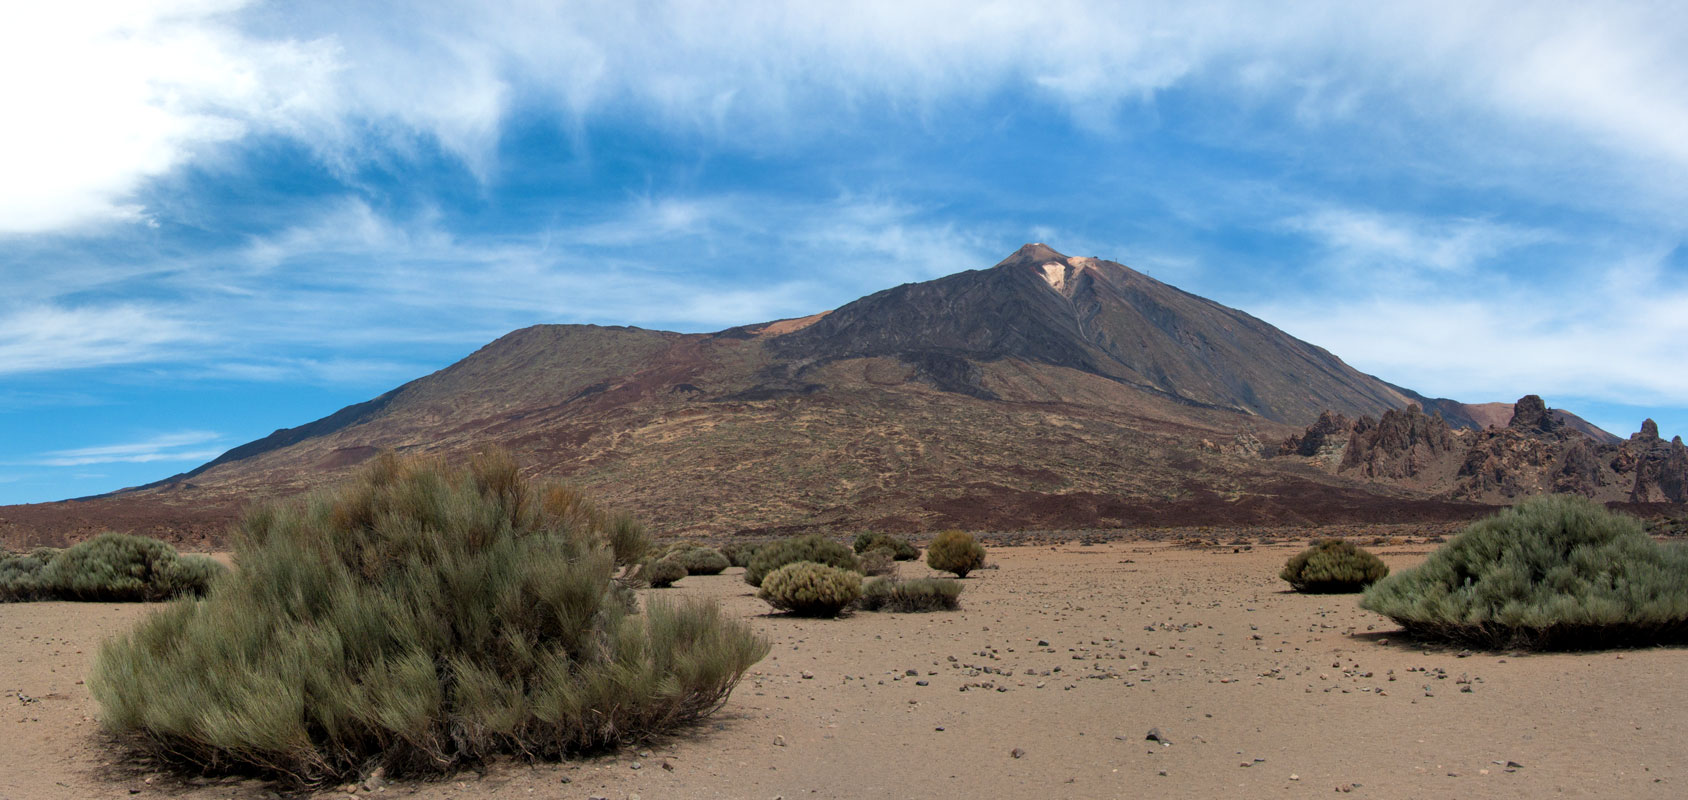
[
  {"x": 1538, "y": 450},
  {"x": 1326, "y": 437},
  {"x": 1402, "y": 445}
]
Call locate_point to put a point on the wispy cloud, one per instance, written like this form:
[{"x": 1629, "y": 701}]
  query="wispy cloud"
[
  {"x": 125, "y": 92},
  {"x": 43, "y": 337},
  {"x": 1616, "y": 339},
  {"x": 1373, "y": 241},
  {"x": 180, "y": 446}
]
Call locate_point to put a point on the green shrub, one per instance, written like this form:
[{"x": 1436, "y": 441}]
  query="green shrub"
[
  {"x": 921, "y": 594},
  {"x": 739, "y": 553},
  {"x": 1332, "y": 566},
  {"x": 901, "y": 549},
  {"x": 20, "y": 574},
  {"x": 810, "y": 589},
  {"x": 1553, "y": 572},
  {"x": 702, "y": 560},
  {"x": 663, "y": 572},
  {"x": 955, "y": 551},
  {"x": 111, "y": 567},
  {"x": 417, "y": 620},
  {"x": 878, "y": 561},
  {"x": 813, "y": 547}
]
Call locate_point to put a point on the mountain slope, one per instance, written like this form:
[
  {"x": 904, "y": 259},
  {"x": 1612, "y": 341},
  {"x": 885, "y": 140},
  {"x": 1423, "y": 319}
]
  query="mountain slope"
[{"x": 1043, "y": 392}]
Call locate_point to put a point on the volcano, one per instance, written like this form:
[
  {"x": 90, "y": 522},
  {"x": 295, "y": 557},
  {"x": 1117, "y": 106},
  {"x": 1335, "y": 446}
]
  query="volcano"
[{"x": 1044, "y": 392}]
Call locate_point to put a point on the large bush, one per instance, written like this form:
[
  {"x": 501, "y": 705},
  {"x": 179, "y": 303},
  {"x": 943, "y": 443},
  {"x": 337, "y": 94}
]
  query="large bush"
[
  {"x": 1332, "y": 566},
  {"x": 111, "y": 567},
  {"x": 921, "y": 594},
  {"x": 1552, "y": 572},
  {"x": 417, "y": 620},
  {"x": 813, "y": 547},
  {"x": 20, "y": 573},
  {"x": 955, "y": 551},
  {"x": 810, "y": 589},
  {"x": 901, "y": 549}
]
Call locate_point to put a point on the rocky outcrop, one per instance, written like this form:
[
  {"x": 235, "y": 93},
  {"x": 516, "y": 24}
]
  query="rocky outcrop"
[
  {"x": 1403, "y": 444},
  {"x": 1537, "y": 451},
  {"x": 1326, "y": 436},
  {"x": 1660, "y": 468}
]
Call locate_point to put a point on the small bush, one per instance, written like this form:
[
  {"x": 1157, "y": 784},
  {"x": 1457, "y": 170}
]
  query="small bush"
[
  {"x": 813, "y": 547},
  {"x": 901, "y": 549},
  {"x": 111, "y": 567},
  {"x": 810, "y": 589},
  {"x": 702, "y": 560},
  {"x": 1552, "y": 572},
  {"x": 1332, "y": 566},
  {"x": 955, "y": 551},
  {"x": 921, "y": 594},
  {"x": 663, "y": 572},
  {"x": 417, "y": 620},
  {"x": 878, "y": 561},
  {"x": 739, "y": 553}
]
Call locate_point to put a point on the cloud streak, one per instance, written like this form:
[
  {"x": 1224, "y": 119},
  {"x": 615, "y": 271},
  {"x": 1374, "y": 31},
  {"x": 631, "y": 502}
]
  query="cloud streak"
[{"x": 163, "y": 447}]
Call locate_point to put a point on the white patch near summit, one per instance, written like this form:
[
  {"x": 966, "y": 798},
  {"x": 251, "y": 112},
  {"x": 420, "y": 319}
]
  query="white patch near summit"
[{"x": 1055, "y": 274}]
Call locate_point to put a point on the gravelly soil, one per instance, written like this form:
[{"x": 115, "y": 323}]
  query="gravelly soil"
[{"x": 1043, "y": 685}]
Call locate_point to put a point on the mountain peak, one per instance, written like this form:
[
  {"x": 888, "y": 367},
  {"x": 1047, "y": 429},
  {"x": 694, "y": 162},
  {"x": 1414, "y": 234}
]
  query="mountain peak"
[{"x": 1034, "y": 254}]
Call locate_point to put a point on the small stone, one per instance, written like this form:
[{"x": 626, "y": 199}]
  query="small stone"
[
  {"x": 1155, "y": 735},
  {"x": 668, "y": 766},
  {"x": 1514, "y": 765},
  {"x": 808, "y": 676},
  {"x": 636, "y": 765},
  {"x": 922, "y": 683},
  {"x": 779, "y": 741},
  {"x": 911, "y": 672},
  {"x": 1294, "y": 777},
  {"x": 1017, "y": 753}
]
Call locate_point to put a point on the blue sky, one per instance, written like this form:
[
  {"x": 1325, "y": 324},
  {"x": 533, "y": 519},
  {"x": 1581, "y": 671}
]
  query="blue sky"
[{"x": 221, "y": 218}]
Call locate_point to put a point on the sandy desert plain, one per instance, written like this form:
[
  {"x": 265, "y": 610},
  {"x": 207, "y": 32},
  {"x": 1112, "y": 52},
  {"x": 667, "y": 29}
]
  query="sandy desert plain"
[{"x": 1061, "y": 660}]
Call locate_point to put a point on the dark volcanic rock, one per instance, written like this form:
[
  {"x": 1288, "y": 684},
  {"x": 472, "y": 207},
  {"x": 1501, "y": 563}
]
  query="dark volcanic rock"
[
  {"x": 1404, "y": 444},
  {"x": 1329, "y": 433},
  {"x": 1531, "y": 415}
]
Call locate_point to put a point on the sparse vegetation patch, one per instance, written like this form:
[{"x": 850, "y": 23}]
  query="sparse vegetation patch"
[
  {"x": 417, "y": 620},
  {"x": 1552, "y": 572}
]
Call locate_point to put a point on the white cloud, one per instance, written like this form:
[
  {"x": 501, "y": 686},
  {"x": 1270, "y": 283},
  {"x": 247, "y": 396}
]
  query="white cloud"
[
  {"x": 100, "y": 96},
  {"x": 1612, "y": 338},
  {"x": 163, "y": 447},
  {"x": 45, "y": 337},
  {"x": 119, "y": 92},
  {"x": 1375, "y": 241}
]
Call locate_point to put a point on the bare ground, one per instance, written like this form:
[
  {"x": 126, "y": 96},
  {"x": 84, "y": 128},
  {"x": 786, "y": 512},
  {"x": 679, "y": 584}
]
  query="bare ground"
[{"x": 1139, "y": 636}]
